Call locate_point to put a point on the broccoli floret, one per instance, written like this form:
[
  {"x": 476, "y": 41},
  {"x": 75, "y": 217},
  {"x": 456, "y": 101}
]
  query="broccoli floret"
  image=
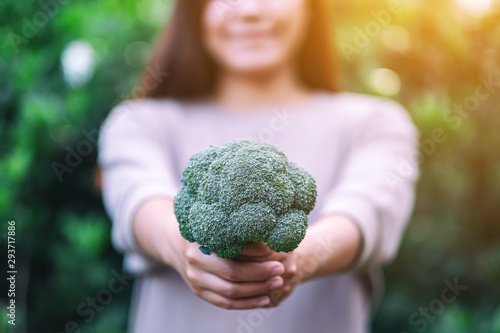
[
  {"x": 183, "y": 202},
  {"x": 244, "y": 192},
  {"x": 253, "y": 222},
  {"x": 304, "y": 185},
  {"x": 289, "y": 231}
]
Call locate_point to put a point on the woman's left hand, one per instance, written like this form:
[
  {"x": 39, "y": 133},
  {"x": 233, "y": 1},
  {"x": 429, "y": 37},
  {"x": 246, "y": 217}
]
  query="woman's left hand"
[
  {"x": 330, "y": 246},
  {"x": 291, "y": 276},
  {"x": 259, "y": 252}
]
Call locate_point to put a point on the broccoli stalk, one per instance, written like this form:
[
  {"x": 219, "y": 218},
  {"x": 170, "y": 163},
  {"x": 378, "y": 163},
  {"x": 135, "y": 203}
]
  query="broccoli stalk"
[{"x": 244, "y": 192}]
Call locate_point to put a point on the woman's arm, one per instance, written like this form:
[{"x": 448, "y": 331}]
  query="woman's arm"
[
  {"x": 155, "y": 230},
  {"x": 366, "y": 212},
  {"x": 331, "y": 245}
]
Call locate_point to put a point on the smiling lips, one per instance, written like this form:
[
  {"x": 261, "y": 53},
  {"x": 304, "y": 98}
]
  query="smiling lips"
[
  {"x": 251, "y": 36},
  {"x": 251, "y": 32},
  {"x": 255, "y": 35}
]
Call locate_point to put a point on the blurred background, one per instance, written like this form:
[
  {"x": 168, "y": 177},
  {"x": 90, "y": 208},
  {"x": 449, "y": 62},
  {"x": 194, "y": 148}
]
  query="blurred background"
[{"x": 65, "y": 63}]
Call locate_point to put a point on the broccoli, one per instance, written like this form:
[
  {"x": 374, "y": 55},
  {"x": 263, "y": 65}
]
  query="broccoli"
[{"x": 244, "y": 192}]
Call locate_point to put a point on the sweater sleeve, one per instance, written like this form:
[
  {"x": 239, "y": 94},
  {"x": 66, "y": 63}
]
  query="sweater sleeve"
[
  {"x": 376, "y": 180},
  {"x": 134, "y": 167}
]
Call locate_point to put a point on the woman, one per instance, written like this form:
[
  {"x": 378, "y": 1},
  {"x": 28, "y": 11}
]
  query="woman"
[{"x": 256, "y": 69}]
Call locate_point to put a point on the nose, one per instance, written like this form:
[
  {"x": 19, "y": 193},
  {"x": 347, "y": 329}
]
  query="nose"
[{"x": 249, "y": 9}]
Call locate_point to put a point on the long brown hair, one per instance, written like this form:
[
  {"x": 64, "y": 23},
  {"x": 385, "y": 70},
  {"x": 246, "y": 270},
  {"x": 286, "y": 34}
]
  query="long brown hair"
[{"x": 192, "y": 73}]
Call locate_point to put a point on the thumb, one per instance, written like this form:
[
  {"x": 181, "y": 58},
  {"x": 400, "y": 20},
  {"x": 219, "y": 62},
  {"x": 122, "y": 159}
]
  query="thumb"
[{"x": 254, "y": 252}]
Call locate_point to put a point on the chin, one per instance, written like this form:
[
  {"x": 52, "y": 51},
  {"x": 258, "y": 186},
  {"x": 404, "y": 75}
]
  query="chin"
[{"x": 255, "y": 63}]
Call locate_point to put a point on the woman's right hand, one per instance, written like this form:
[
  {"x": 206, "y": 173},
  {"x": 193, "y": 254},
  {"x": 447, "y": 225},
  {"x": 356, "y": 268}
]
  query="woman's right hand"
[{"x": 226, "y": 283}]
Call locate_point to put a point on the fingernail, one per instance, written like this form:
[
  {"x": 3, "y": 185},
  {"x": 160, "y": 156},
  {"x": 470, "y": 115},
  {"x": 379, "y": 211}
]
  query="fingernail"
[
  {"x": 278, "y": 270},
  {"x": 262, "y": 302},
  {"x": 276, "y": 283}
]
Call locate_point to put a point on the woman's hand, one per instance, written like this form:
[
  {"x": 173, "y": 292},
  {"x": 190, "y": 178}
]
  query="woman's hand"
[{"x": 227, "y": 283}]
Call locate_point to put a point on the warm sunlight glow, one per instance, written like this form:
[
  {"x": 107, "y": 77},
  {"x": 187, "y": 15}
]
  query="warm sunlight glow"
[
  {"x": 396, "y": 39},
  {"x": 476, "y": 7},
  {"x": 385, "y": 81}
]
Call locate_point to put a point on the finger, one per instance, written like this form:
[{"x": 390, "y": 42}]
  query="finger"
[
  {"x": 271, "y": 256},
  {"x": 252, "y": 258},
  {"x": 234, "y": 290},
  {"x": 289, "y": 262},
  {"x": 227, "y": 303},
  {"x": 256, "y": 249},
  {"x": 198, "y": 280},
  {"x": 237, "y": 271}
]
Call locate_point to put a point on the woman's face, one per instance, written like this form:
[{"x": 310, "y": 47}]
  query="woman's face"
[{"x": 252, "y": 36}]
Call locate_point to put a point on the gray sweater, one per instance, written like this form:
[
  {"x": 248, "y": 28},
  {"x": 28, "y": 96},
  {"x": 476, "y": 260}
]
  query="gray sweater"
[{"x": 361, "y": 151}]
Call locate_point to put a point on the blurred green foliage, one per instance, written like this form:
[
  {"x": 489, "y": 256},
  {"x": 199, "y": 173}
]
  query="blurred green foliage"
[{"x": 435, "y": 54}]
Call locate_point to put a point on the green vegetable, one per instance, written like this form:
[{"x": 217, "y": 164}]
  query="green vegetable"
[{"x": 244, "y": 192}]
